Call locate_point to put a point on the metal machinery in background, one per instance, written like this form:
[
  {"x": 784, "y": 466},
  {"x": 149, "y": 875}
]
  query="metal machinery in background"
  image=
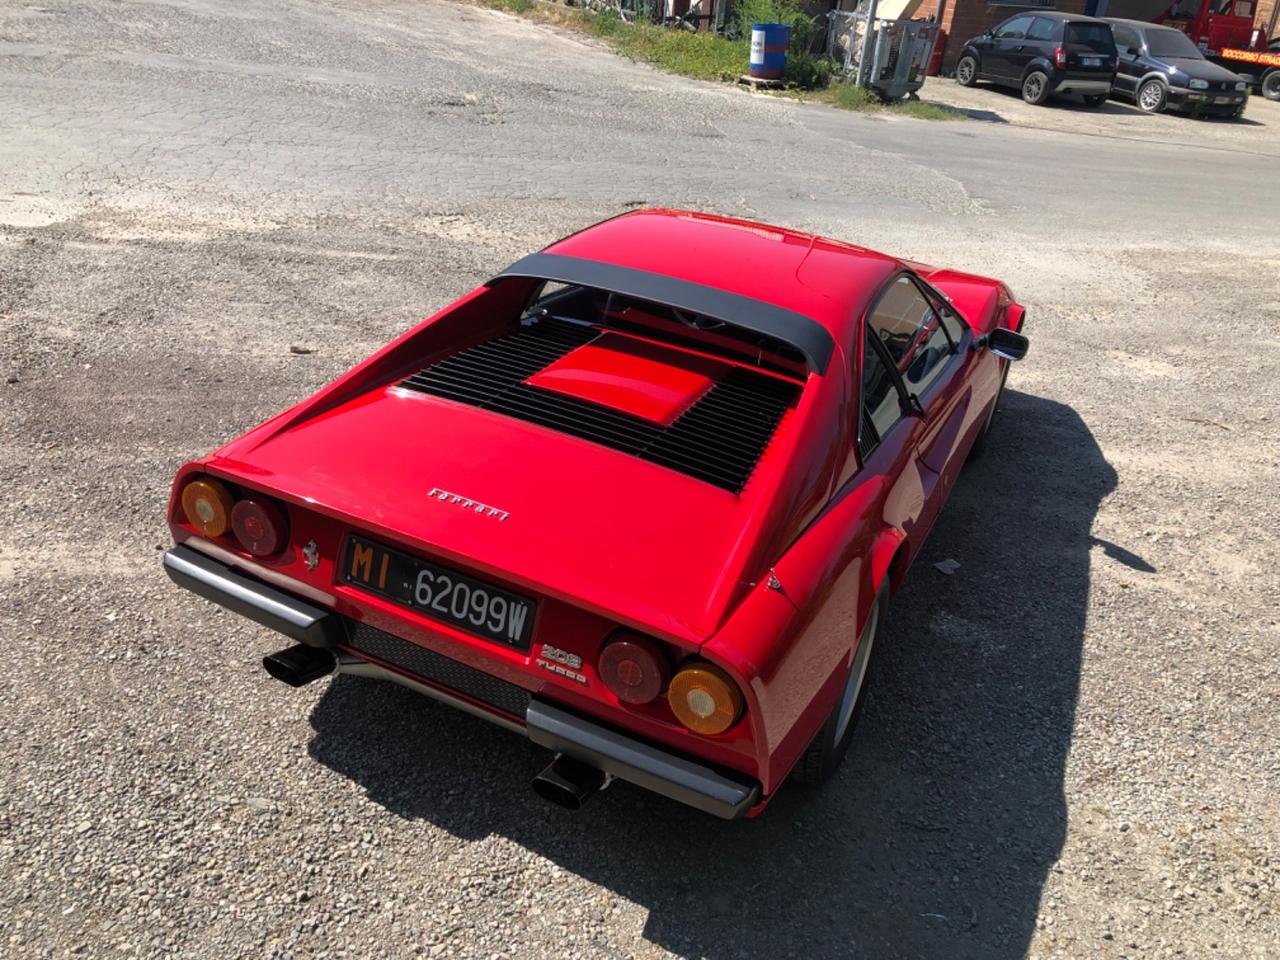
[
  {"x": 892, "y": 57},
  {"x": 689, "y": 14}
]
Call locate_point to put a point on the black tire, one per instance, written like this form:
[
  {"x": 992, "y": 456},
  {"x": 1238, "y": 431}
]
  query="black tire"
[
  {"x": 1035, "y": 87},
  {"x": 967, "y": 70},
  {"x": 1095, "y": 99},
  {"x": 1271, "y": 85},
  {"x": 832, "y": 743},
  {"x": 1152, "y": 97},
  {"x": 980, "y": 442}
]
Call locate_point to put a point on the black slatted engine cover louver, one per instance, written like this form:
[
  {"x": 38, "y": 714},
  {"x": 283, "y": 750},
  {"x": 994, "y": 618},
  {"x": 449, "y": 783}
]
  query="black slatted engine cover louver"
[
  {"x": 438, "y": 669},
  {"x": 719, "y": 439}
]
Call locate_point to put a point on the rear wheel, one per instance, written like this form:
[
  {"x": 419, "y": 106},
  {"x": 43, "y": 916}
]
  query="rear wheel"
[
  {"x": 1152, "y": 97},
  {"x": 1035, "y": 88},
  {"x": 1271, "y": 85},
  {"x": 1095, "y": 99},
  {"x": 967, "y": 70},
  {"x": 832, "y": 742}
]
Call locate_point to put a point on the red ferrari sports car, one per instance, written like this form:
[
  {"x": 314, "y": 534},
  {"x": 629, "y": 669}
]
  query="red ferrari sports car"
[{"x": 642, "y": 497}]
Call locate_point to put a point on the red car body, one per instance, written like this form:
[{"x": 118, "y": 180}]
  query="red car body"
[{"x": 764, "y": 568}]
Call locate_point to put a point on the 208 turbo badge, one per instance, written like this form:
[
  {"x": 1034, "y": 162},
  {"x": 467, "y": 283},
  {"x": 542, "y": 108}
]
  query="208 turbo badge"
[
  {"x": 467, "y": 503},
  {"x": 556, "y": 660}
]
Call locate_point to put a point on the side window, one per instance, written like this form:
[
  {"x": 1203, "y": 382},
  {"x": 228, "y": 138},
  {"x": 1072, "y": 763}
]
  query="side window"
[
  {"x": 1124, "y": 37},
  {"x": 951, "y": 321},
  {"x": 880, "y": 403},
  {"x": 912, "y": 333},
  {"x": 1015, "y": 29},
  {"x": 1042, "y": 29}
]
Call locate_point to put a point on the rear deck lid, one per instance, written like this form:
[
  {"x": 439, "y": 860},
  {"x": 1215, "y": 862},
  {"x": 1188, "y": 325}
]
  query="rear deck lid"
[{"x": 627, "y": 477}]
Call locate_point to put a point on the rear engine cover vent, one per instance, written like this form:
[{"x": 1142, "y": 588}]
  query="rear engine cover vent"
[{"x": 719, "y": 439}]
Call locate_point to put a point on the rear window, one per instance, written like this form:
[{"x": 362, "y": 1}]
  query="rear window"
[
  {"x": 586, "y": 305},
  {"x": 1091, "y": 36}
]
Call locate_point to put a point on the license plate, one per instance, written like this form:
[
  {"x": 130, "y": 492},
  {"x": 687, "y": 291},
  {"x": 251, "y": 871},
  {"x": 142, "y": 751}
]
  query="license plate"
[
  {"x": 1091, "y": 61},
  {"x": 440, "y": 592},
  {"x": 1221, "y": 99}
]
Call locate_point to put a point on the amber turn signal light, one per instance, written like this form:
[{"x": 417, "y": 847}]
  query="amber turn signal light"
[
  {"x": 207, "y": 504},
  {"x": 704, "y": 699}
]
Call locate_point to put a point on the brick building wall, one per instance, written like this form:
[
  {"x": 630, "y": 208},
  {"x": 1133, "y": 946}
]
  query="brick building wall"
[
  {"x": 1265, "y": 9},
  {"x": 964, "y": 19}
]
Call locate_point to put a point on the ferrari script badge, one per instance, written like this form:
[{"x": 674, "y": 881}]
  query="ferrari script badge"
[{"x": 467, "y": 504}]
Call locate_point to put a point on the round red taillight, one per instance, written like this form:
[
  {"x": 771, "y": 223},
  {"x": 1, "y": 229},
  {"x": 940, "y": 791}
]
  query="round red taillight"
[
  {"x": 259, "y": 525},
  {"x": 633, "y": 668}
]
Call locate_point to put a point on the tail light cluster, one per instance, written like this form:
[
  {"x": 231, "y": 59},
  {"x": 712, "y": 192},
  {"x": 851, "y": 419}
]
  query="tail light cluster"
[
  {"x": 1060, "y": 58},
  {"x": 703, "y": 697},
  {"x": 258, "y": 523}
]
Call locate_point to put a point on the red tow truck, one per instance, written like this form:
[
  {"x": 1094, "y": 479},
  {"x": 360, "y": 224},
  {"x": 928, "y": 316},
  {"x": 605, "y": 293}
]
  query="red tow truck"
[{"x": 1224, "y": 31}]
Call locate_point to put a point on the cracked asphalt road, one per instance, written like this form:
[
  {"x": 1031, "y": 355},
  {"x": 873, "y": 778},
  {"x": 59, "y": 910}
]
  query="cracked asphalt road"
[{"x": 1072, "y": 747}]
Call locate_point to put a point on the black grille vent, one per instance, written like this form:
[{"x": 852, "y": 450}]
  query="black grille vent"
[
  {"x": 439, "y": 669},
  {"x": 867, "y": 439},
  {"x": 719, "y": 439}
]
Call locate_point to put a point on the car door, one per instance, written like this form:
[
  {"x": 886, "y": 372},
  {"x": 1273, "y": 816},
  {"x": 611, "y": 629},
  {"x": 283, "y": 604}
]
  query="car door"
[
  {"x": 1129, "y": 67},
  {"x": 1007, "y": 41},
  {"x": 927, "y": 351},
  {"x": 1042, "y": 37}
]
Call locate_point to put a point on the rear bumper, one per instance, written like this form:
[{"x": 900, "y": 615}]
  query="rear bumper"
[
  {"x": 242, "y": 594},
  {"x": 681, "y": 778},
  {"x": 1087, "y": 87},
  {"x": 643, "y": 764}
]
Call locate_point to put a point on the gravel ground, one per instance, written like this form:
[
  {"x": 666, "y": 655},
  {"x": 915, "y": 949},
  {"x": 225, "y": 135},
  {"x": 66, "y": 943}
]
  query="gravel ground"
[
  {"x": 1258, "y": 132},
  {"x": 1073, "y": 744}
]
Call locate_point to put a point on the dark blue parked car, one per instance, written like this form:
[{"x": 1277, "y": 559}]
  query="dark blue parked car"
[{"x": 1161, "y": 69}]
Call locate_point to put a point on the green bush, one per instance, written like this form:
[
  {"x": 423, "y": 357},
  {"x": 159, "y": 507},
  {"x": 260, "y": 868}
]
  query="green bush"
[
  {"x": 848, "y": 96},
  {"x": 806, "y": 72},
  {"x": 701, "y": 55},
  {"x": 789, "y": 12},
  {"x": 803, "y": 69}
]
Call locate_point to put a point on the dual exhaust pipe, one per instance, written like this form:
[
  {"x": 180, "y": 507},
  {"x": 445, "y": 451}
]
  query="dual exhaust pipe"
[
  {"x": 569, "y": 783},
  {"x": 566, "y": 782},
  {"x": 300, "y": 664}
]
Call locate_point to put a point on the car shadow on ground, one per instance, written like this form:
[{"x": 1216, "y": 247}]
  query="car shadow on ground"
[
  {"x": 1115, "y": 108},
  {"x": 988, "y": 116},
  {"x": 1068, "y": 102},
  {"x": 936, "y": 836}
]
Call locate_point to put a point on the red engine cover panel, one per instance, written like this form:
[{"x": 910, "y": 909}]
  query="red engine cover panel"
[{"x": 635, "y": 377}]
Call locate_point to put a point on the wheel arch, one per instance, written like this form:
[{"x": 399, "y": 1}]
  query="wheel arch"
[
  {"x": 890, "y": 557},
  {"x": 1039, "y": 65}
]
